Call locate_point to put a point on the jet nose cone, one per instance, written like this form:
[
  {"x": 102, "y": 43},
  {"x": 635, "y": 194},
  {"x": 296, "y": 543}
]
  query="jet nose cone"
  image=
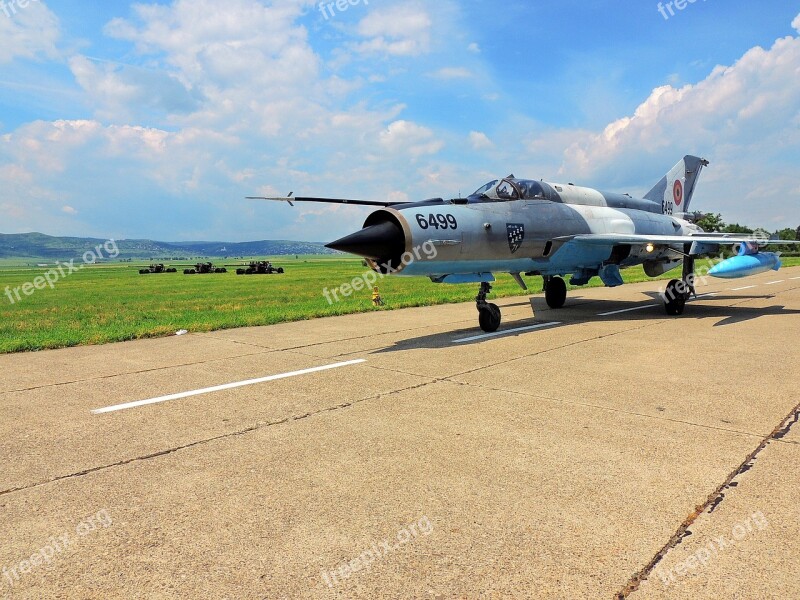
[{"x": 376, "y": 242}]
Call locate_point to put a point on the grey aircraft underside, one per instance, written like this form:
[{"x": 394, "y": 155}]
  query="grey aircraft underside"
[{"x": 521, "y": 226}]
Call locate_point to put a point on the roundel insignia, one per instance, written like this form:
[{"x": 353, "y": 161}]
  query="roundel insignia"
[{"x": 677, "y": 192}]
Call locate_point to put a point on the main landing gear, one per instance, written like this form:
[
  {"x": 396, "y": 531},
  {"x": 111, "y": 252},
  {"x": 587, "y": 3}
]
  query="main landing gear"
[
  {"x": 680, "y": 290},
  {"x": 555, "y": 291},
  {"x": 489, "y": 315}
]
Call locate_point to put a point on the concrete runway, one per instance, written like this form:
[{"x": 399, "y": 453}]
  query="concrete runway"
[{"x": 582, "y": 453}]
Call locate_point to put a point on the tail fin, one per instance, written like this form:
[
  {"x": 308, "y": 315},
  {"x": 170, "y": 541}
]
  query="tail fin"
[{"x": 676, "y": 188}]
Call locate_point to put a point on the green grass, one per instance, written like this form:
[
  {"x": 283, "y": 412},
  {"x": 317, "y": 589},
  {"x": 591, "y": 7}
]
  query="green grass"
[{"x": 109, "y": 303}]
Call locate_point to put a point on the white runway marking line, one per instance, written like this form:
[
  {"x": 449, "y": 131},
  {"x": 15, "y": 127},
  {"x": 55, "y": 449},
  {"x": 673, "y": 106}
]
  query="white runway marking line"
[
  {"x": 775, "y": 282},
  {"x": 793, "y": 278},
  {"x": 227, "y": 386},
  {"x": 747, "y": 287},
  {"x": 505, "y": 332},
  {"x": 626, "y": 310}
]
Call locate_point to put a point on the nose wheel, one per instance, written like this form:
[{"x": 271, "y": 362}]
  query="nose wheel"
[{"x": 489, "y": 315}]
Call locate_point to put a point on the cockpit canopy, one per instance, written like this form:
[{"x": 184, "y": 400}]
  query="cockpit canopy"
[{"x": 510, "y": 188}]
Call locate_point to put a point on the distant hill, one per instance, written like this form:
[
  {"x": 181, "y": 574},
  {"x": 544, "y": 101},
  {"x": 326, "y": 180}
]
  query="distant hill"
[{"x": 40, "y": 246}]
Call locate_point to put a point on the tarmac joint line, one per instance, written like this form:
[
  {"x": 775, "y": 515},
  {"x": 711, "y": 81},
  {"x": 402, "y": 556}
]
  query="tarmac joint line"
[
  {"x": 216, "y": 438},
  {"x": 711, "y": 504},
  {"x": 504, "y": 332}
]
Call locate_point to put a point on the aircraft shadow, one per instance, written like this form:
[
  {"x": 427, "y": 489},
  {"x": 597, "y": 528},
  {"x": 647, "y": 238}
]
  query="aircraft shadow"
[
  {"x": 581, "y": 310},
  {"x": 697, "y": 308}
]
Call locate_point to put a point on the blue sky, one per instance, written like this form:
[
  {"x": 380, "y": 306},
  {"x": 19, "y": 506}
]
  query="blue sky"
[{"x": 155, "y": 120}]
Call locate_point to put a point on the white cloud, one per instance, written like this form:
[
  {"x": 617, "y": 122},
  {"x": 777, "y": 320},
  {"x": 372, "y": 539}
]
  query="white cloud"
[
  {"x": 409, "y": 138},
  {"x": 474, "y": 48},
  {"x": 30, "y": 32},
  {"x": 401, "y": 30},
  {"x": 480, "y": 141},
  {"x": 68, "y": 210},
  {"x": 227, "y": 99},
  {"x": 451, "y": 73},
  {"x": 737, "y": 117},
  {"x": 228, "y": 43},
  {"x": 397, "y": 197},
  {"x": 239, "y": 100},
  {"x": 741, "y": 104},
  {"x": 796, "y": 23},
  {"x": 16, "y": 173},
  {"x": 123, "y": 92},
  {"x": 218, "y": 61}
]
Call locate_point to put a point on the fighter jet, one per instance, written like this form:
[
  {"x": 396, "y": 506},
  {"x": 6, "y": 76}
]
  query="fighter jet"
[{"x": 537, "y": 228}]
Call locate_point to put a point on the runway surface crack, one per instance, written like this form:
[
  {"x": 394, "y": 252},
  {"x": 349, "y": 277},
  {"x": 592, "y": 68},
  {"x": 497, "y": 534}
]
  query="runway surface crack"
[
  {"x": 139, "y": 372},
  {"x": 710, "y": 505},
  {"x": 224, "y": 436}
]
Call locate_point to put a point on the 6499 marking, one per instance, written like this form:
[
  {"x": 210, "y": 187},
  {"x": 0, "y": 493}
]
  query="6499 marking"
[{"x": 437, "y": 221}]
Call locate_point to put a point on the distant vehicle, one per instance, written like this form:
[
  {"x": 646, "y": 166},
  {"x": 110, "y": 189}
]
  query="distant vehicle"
[
  {"x": 260, "y": 267},
  {"x": 204, "y": 269},
  {"x": 159, "y": 268}
]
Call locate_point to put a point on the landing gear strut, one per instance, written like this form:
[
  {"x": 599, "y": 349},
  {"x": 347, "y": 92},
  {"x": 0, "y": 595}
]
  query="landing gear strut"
[
  {"x": 680, "y": 290},
  {"x": 488, "y": 314}
]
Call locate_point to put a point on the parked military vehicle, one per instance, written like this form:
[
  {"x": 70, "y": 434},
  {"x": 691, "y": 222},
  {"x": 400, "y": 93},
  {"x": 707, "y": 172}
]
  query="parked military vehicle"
[
  {"x": 204, "y": 269},
  {"x": 154, "y": 269},
  {"x": 259, "y": 267}
]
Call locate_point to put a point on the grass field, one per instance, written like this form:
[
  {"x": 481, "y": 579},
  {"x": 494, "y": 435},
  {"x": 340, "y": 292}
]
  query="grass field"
[{"x": 108, "y": 303}]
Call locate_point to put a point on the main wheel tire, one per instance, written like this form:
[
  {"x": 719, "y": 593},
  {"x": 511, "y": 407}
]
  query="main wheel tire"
[
  {"x": 498, "y": 316},
  {"x": 280, "y": 271},
  {"x": 556, "y": 293},
  {"x": 489, "y": 318},
  {"x": 675, "y": 300}
]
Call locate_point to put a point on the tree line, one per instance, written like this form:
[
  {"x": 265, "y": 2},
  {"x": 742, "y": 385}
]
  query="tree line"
[{"x": 713, "y": 223}]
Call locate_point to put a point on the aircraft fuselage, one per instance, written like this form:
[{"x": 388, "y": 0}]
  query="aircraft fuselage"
[{"x": 475, "y": 237}]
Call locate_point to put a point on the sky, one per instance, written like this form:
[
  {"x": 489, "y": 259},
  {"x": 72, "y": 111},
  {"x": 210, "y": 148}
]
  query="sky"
[{"x": 154, "y": 120}]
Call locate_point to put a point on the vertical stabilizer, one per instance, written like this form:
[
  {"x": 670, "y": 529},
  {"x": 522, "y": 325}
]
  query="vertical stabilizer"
[{"x": 675, "y": 190}]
